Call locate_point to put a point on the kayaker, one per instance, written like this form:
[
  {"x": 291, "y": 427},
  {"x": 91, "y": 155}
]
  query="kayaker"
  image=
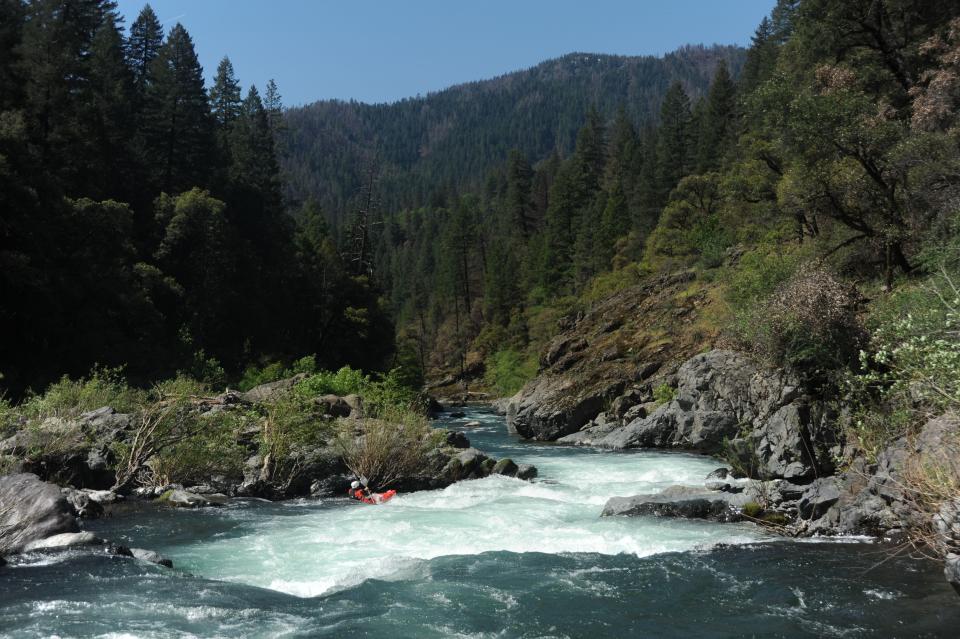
[{"x": 358, "y": 492}]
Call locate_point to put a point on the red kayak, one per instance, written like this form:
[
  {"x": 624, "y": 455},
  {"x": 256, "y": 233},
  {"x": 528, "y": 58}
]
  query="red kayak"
[{"x": 375, "y": 498}]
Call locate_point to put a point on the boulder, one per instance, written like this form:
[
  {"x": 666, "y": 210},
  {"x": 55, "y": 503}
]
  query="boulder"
[
  {"x": 151, "y": 556},
  {"x": 505, "y": 467},
  {"x": 181, "y": 498},
  {"x": 951, "y": 570},
  {"x": 64, "y": 541},
  {"x": 819, "y": 497},
  {"x": 270, "y": 390},
  {"x": 681, "y": 502},
  {"x": 333, "y": 406},
  {"x": 526, "y": 471},
  {"x": 473, "y": 424},
  {"x": 30, "y": 510},
  {"x": 81, "y": 503}
]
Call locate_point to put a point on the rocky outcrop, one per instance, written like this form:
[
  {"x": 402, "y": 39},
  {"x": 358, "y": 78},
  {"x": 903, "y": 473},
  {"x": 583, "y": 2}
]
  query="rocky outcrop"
[
  {"x": 64, "y": 541},
  {"x": 75, "y": 452},
  {"x": 623, "y": 347},
  {"x": 725, "y": 403},
  {"x": 31, "y": 510}
]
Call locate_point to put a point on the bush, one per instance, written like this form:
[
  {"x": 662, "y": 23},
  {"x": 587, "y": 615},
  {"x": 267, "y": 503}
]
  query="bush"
[
  {"x": 809, "y": 324},
  {"x": 205, "y": 369},
  {"x": 69, "y": 398},
  {"x": 508, "y": 371},
  {"x": 255, "y": 375},
  {"x": 386, "y": 451},
  {"x": 664, "y": 393},
  {"x": 346, "y": 381},
  {"x": 211, "y": 450}
]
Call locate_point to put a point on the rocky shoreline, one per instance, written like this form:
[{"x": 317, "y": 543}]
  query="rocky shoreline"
[
  {"x": 60, "y": 472},
  {"x": 790, "y": 470}
]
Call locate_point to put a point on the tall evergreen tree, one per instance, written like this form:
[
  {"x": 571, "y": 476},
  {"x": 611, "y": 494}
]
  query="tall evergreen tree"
[
  {"x": 143, "y": 46},
  {"x": 717, "y": 116},
  {"x": 519, "y": 183},
  {"x": 674, "y": 141},
  {"x": 225, "y": 99},
  {"x": 177, "y": 122}
]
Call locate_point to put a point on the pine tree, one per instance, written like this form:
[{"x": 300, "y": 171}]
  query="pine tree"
[
  {"x": 225, "y": 99},
  {"x": 143, "y": 46},
  {"x": 519, "y": 182},
  {"x": 11, "y": 29},
  {"x": 177, "y": 121},
  {"x": 273, "y": 103},
  {"x": 109, "y": 117},
  {"x": 674, "y": 156},
  {"x": 718, "y": 113},
  {"x": 761, "y": 56}
]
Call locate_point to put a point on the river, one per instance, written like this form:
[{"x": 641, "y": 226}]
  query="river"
[{"x": 496, "y": 557}]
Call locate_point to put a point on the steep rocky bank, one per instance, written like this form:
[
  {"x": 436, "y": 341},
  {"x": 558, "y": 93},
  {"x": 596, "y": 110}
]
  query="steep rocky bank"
[{"x": 790, "y": 466}]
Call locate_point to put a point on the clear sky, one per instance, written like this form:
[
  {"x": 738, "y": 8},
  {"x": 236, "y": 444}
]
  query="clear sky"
[{"x": 380, "y": 51}]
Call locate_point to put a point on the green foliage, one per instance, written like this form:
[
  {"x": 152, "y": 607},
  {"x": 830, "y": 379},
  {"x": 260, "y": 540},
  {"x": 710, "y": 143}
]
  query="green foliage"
[
  {"x": 346, "y": 381},
  {"x": 206, "y": 370},
  {"x": 752, "y": 509},
  {"x": 212, "y": 450},
  {"x": 256, "y": 375},
  {"x": 664, "y": 393},
  {"x": 508, "y": 370},
  {"x": 69, "y": 398}
]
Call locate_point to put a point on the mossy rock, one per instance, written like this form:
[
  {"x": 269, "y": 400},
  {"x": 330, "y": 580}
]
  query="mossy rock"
[{"x": 506, "y": 467}]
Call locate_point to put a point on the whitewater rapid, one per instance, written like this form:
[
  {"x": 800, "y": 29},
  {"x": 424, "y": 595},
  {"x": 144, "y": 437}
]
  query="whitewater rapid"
[{"x": 318, "y": 548}]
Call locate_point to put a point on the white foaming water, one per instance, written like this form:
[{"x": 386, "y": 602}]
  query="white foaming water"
[{"x": 320, "y": 548}]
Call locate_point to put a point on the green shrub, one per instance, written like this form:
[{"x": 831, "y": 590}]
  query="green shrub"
[
  {"x": 508, "y": 371},
  {"x": 68, "y": 398},
  {"x": 205, "y": 369},
  {"x": 664, "y": 393},
  {"x": 386, "y": 450},
  {"x": 211, "y": 450},
  {"x": 255, "y": 375},
  {"x": 346, "y": 381},
  {"x": 752, "y": 509}
]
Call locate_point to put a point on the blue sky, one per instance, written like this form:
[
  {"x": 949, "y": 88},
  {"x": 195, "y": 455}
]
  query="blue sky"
[{"x": 380, "y": 51}]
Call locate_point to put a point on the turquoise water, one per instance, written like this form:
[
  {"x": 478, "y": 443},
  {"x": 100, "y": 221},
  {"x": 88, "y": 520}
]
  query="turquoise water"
[{"x": 489, "y": 558}]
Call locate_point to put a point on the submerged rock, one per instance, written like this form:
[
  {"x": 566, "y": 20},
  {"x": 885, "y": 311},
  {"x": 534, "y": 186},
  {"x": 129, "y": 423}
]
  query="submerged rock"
[{"x": 150, "y": 556}]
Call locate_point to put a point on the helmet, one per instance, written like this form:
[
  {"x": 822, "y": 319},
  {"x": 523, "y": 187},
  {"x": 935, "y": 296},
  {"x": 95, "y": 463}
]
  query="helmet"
[{"x": 354, "y": 484}]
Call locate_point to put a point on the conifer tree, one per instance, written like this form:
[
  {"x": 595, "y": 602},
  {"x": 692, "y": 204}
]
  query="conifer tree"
[
  {"x": 717, "y": 116},
  {"x": 225, "y": 99},
  {"x": 143, "y": 46},
  {"x": 177, "y": 122},
  {"x": 674, "y": 139},
  {"x": 519, "y": 182}
]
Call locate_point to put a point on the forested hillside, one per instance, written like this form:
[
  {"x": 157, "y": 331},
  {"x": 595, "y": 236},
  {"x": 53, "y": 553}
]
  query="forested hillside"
[
  {"x": 426, "y": 148},
  {"x": 142, "y": 219}
]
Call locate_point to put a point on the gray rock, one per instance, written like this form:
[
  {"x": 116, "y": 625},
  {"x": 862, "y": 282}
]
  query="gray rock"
[
  {"x": 819, "y": 497},
  {"x": 681, "y": 502},
  {"x": 457, "y": 439},
  {"x": 63, "y": 541},
  {"x": 473, "y": 424},
  {"x": 526, "y": 472},
  {"x": 951, "y": 570},
  {"x": 186, "y": 499},
  {"x": 334, "y": 406},
  {"x": 720, "y": 473},
  {"x": 83, "y": 506},
  {"x": 151, "y": 556},
  {"x": 505, "y": 467},
  {"x": 31, "y": 510},
  {"x": 266, "y": 392}
]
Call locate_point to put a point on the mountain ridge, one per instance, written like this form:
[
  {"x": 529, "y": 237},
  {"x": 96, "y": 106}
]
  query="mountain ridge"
[{"x": 453, "y": 137}]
